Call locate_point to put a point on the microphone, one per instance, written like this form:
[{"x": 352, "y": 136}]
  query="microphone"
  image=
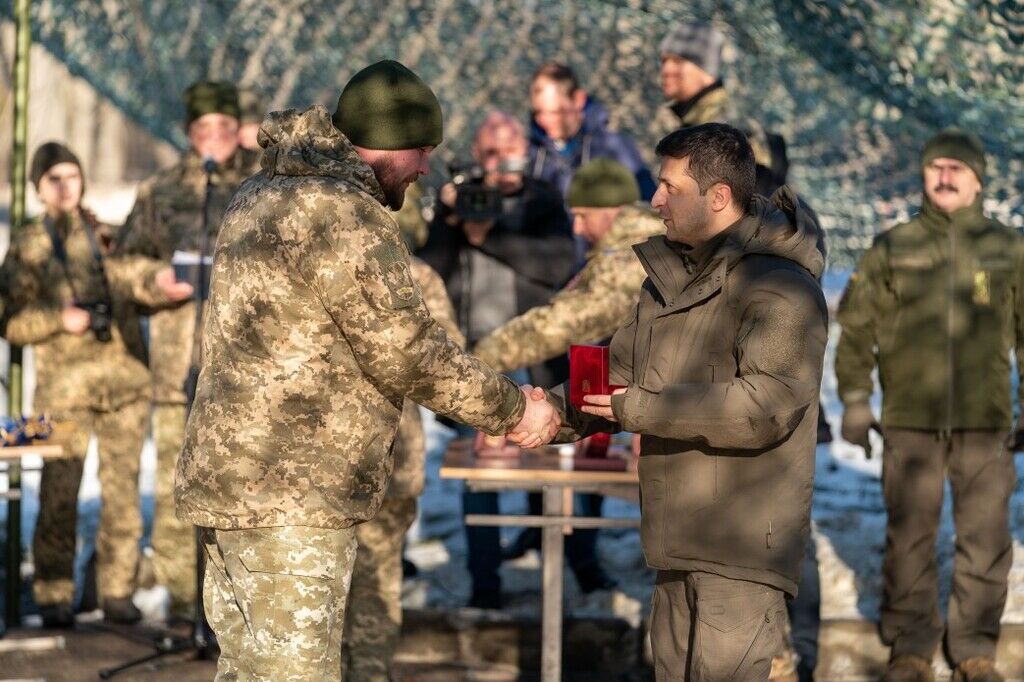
[{"x": 209, "y": 165}]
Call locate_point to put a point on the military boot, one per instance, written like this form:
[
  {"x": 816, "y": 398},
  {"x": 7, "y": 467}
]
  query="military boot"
[
  {"x": 977, "y": 669},
  {"x": 121, "y": 610},
  {"x": 57, "y": 616},
  {"x": 909, "y": 669}
]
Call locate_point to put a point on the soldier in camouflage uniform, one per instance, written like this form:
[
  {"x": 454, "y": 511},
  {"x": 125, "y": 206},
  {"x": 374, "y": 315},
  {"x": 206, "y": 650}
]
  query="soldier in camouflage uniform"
[
  {"x": 373, "y": 620},
  {"x": 316, "y": 333},
  {"x": 601, "y": 298},
  {"x": 91, "y": 378},
  {"x": 168, "y": 217}
]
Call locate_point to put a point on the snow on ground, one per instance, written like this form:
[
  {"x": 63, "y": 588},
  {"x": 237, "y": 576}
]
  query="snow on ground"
[{"x": 848, "y": 514}]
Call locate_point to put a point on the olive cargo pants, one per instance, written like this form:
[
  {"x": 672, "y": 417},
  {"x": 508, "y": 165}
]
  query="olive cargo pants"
[{"x": 982, "y": 476}]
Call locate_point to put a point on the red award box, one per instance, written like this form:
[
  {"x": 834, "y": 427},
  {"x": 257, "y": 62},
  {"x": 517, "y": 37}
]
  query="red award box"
[{"x": 588, "y": 373}]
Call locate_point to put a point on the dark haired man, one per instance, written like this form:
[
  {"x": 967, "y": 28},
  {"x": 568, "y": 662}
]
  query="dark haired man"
[
  {"x": 722, "y": 363},
  {"x": 570, "y": 128}
]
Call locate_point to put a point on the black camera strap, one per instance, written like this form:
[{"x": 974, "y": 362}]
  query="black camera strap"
[{"x": 60, "y": 252}]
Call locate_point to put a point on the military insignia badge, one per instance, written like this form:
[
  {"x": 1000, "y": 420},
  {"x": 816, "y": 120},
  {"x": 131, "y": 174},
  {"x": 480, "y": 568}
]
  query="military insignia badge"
[
  {"x": 400, "y": 283},
  {"x": 982, "y": 289}
]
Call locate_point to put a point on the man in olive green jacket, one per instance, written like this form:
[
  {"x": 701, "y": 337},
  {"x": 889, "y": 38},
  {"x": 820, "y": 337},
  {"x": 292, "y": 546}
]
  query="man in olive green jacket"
[
  {"x": 937, "y": 304},
  {"x": 722, "y": 361}
]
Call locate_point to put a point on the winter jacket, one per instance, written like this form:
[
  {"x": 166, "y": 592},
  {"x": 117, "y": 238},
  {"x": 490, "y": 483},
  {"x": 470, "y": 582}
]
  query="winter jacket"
[
  {"x": 593, "y": 141},
  {"x": 723, "y": 363},
  {"x": 937, "y": 304}
]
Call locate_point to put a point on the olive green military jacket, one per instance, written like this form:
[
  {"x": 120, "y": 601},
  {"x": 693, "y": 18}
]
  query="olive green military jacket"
[
  {"x": 315, "y": 333},
  {"x": 75, "y": 371},
  {"x": 599, "y": 300},
  {"x": 410, "y": 443},
  {"x": 937, "y": 304},
  {"x": 168, "y": 217}
]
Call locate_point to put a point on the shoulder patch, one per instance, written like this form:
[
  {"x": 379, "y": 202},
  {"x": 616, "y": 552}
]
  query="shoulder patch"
[{"x": 399, "y": 281}]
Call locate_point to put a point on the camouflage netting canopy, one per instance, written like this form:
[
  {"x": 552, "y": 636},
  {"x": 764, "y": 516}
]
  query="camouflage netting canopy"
[{"x": 855, "y": 86}]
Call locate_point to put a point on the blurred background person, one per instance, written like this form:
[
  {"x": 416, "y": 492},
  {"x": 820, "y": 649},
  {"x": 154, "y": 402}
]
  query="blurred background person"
[
  {"x": 501, "y": 242},
  {"x": 76, "y": 307},
  {"x": 168, "y": 216},
  {"x": 251, "y": 111},
  {"x": 937, "y": 305},
  {"x": 568, "y": 128}
]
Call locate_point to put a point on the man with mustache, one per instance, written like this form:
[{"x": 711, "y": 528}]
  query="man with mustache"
[
  {"x": 937, "y": 304},
  {"x": 315, "y": 333}
]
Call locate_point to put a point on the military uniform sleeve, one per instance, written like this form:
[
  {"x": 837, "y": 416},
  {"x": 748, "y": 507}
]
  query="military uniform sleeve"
[
  {"x": 363, "y": 279},
  {"x": 780, "y": 347},
  {"x": 600, "y": 302},
  {"x": 435, "y": 297},
  {"x": 27, "y": 318},
  {"x": 859, "y": 312}
]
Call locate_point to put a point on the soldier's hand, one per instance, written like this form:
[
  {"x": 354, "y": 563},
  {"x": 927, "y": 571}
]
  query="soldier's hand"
[
  {"x": 857, "y": 423},
  {"x": 540, "y": 421},
  {"x": 74, "y": 319},
  {"x": 601, "y": 405},
  {"x": 170, "y": 288},
  {"x": 447, "y": 195}
]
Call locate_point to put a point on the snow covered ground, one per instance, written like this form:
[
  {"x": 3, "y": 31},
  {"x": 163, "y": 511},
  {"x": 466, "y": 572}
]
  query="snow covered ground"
[{"x": 849, "y": 522}]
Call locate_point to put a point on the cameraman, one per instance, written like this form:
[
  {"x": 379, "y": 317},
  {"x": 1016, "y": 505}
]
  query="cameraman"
[
  {"x": 502, "y": 243},
  {"x": 75, "y": 305}
]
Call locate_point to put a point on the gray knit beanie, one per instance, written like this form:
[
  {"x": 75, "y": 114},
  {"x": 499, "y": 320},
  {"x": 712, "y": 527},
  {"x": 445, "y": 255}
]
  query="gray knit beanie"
[{"x": 698, "y": 42}]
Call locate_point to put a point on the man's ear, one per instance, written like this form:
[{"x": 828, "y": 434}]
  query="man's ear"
[
  {"x": 579, "y": 99},
  {"x": 721, "y": 196}
]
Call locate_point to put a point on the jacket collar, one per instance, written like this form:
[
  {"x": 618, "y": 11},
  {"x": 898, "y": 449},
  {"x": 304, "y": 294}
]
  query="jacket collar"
[
  {"x": 682, "y": 108},
  {"x": 968, "y": 219}
]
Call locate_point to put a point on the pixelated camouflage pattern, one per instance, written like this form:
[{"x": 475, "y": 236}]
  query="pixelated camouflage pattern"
[
  {"x": 172, "y": 539},
  {"x": 275, "y": 598},
  {"x": 714, "y": 106},
  {"x": 76, "y": 370},
  {"x": 373, "y": 621},
  {"x": 315, "y": 334},
  {"x": 411, "y": 222},
  {"x": 599, "y": 300},
  {"x": 410, "y": 443},
  {"x": 168, "y": 217},
  {"x": 120, "y": 434}
]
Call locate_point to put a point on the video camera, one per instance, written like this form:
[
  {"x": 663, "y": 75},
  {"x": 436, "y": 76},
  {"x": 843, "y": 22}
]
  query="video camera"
[
  {"x": 100, "y": 319},
  {"x": 475, "y": 200}
]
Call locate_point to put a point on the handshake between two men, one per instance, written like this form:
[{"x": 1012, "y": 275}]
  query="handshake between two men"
[{"x": 541, "y": 421}]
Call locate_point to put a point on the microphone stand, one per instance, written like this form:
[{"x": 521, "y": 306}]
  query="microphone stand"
[{"x": 201, "y": 639}]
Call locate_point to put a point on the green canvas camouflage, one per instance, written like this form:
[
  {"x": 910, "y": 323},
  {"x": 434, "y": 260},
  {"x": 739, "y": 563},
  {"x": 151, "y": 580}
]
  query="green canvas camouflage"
[
  {"x": 599, "y": 300},
  {"x": 315, "y": 334}
]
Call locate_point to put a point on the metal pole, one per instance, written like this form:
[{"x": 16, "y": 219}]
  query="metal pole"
[{"x": 22, "y": 44}]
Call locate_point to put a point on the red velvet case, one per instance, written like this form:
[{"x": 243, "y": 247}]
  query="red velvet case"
[{"x": 588, "y": 372}]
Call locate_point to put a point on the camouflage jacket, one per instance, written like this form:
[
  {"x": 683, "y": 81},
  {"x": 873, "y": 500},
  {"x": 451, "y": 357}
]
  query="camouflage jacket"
[
  {"x": 77, "y": 371},
  {"x": 168, "y": 217},
  {"x": 599, "y": 300},
  {"x": 314, "y": 335},
  {"x": 410, "y": 442}
]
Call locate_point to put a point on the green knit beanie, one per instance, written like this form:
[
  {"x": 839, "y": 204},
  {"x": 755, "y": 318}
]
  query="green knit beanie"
[
  {"x": 953, "y": 143},
  {"x": 210, "y": 97},
  {"x": 603, "y": 183},
  {"x": 46, "y": 157},
  {"x": 387, "y": 106}
]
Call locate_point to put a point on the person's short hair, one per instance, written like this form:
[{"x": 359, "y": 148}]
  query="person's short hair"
[
  {"x": 559, "y": 73},
  {"x": 717, "y": 153}
]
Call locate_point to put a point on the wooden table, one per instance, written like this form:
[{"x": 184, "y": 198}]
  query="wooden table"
[
  {"x": 12, "y": 456},
  {"x": 554, "y": 476}
]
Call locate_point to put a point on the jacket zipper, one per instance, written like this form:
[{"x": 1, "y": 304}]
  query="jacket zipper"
[{"x": 949, "y": 328}]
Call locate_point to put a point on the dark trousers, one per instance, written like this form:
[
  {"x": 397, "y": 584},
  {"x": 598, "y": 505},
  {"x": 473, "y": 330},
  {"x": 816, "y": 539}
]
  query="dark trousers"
[
  {"x": 483, "y": 543},
  {"x": 982, "y": 477},
  {"x": 707, "y": 628}
]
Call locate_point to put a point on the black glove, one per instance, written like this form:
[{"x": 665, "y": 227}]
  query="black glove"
[{"x": 857, "y": 423}]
